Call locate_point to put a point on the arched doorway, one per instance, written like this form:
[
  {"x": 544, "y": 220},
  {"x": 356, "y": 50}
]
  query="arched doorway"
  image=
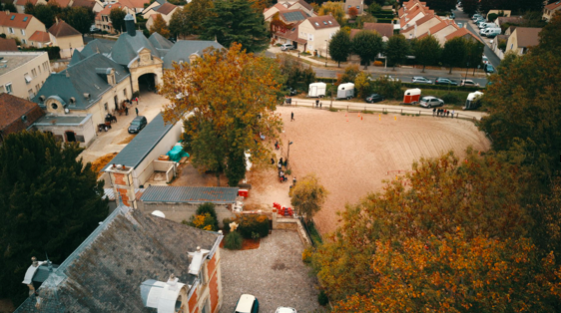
[{"x": 147, "y": 82}]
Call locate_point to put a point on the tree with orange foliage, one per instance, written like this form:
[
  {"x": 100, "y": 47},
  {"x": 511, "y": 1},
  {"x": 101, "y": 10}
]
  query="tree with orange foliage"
[
  {"x": 352, "y": 12},
  {"x": 159, "y": 26},
  {"x": 231, "y": 97}
]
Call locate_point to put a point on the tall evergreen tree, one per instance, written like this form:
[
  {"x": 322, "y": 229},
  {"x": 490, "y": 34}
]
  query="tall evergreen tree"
[
  {"x": 236, "y": 21},
  {"x": 49, "y": 203},
  {"x": 367, "y": 44},
  {"x": 340, "y": 47},
  {"x": 179, "y": 23},
  {"x": 197, "y": 11}
]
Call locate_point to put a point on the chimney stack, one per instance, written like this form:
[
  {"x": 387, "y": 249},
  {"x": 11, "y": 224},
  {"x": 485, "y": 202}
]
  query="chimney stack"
[{"x": 129, "y": 24}]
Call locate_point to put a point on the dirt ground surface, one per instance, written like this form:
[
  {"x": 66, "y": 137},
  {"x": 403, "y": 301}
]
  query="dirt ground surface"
[{"x": 352, "y": 155}]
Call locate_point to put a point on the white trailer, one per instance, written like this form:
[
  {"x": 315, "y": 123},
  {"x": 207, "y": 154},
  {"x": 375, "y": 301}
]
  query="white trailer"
[
  {"x": 317, "y": 90},
  {"x": 346, "y": 91},
  {"x": 473, "y": 100}
]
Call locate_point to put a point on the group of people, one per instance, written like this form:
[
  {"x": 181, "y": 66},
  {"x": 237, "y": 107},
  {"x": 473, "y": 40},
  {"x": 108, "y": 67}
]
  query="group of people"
[
  {"x": 319, "y": 104},
  {"x": 128, "y": 102},
  {"x": 442, "y": 112},
  {"x": 282, "y": 163}
]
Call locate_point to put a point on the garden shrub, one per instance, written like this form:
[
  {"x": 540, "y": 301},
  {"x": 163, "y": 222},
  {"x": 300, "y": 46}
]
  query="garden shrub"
[
  {"x": 322, "y": 298},
  {"x": 307, "y": 256},
  {"x": 233, "y": 241},
  {"x": 252, "y": 223},
  {"x": 451, "y": 98},
  {"x": 202, "y": 221},
  {"x": 226, "y": 222},
  {"x": 210, "y": 209}
]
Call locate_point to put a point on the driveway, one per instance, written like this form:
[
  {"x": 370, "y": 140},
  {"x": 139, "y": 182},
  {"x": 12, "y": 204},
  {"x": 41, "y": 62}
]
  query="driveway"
[
  {"x": 150, "y": 104},
  {"x": 274, "y": 273}
]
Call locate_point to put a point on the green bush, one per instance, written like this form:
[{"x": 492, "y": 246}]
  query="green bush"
[
  {"x": 385, "y": 20},
  {"x": 388, "y": 88},
  {"x": 233, "y": 241},
  {"x": 226, "y": 222},
  {"x": 451, "y": 98},
  {"x": 323, "y": 300},
  {"x": 208, "y": 208},
  {"x": 252, "y": 223}
]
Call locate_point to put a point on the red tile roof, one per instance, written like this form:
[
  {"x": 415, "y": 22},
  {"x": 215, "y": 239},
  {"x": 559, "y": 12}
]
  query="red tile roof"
[
  {"x": 166, "y": 8},
  {"x": 39, "y": 36},
  {"x": 291, "y": 34},
  {"x": 384, "y": 29},
  {"x": 11, "y": 111},
  {"x": 139, "y": 4},
  {"x": 322, "y": 22},
  {"x": 108, "y": 9},
  {"x": 15, "y": 20},
  {"x": 8, "y": 45},
  {"x": 461, "y": 33},
  {"x": 62, "y": 29},
  {"x": 440, "y": 26},
  {"x": 23, "y": 2},
  {"x": 553, "y": 6}
]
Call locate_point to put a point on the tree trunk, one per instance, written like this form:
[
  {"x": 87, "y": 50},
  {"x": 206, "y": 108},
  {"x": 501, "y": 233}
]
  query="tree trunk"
[
  {"x": 423, "y": 69},
  {"x": 450, "y": 70},
  {"x": 218, "y": 179}
]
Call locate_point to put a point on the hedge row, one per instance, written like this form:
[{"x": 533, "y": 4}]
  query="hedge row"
[
  {"x": 383, "y": 15},
  {"x": 385, "y": 20}
]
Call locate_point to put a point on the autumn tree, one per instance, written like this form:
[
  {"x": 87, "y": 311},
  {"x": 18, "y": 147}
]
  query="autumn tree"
[
  {"x": 454, "y": 53},
  {"x": 117, "y": 17},
  {"x": 235, "y": 21},
  {"x": 49, "y": 203},
  {"x": 334, "y": 9},
  {"x": 340, "y": 47},
  {"x": 159, "y": 26},
  {"x": 363, "y": 85},
  {"x": 307, "y": 196},
  {"x": 427, "y": 51},
  {"x": 367, "y": 45},
  {"x": 353, "y": 12},
  {"x": 349, "y": 75},
  {"x": 231, "y": 96},
  {"x": 295, "y": 74},
  {"x": 179, "y": 23},
  {"x": 480, "y": 195},
  {"x": 197, "y": 11},
  {"x": 396, "y": 50}
]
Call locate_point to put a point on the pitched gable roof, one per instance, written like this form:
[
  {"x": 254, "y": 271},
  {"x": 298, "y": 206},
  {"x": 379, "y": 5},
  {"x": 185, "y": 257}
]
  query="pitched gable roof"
[
  {"x": 102, "y": 46},
  {"x": 322, "y": 22},
  {"x": 63, "y": 29},
  {"x": 84, "y": 3},
  {"x": 183, "y": 49},
  {"x": 138, "y": 4},
  {"x": 15, "y": 20},
  {"x": 293, "y": 15},
  {"x": 511, "y": 19},
  {"x": 385, "y": 30},
  {"x": 462, "y": 32},
  {"x": 127, "y": 47},
  {"x": 76, "y": 57},
  {"x": 160, "y": 42},
  {"x": 554, "y": 6},
  {"x": 105, "y": 273},
  {"x": 39, "y": 36},
  {"x": 440, "y": 26},
  {"x": 166, "y": 8},
  {"x": 527, "y": 37},
  {"x": 12, "y": 108},
  {"x": 8, "y": 45},
  {"x": 304, "y": 4}
]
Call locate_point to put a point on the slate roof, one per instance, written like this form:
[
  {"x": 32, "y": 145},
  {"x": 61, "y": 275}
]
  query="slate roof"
[
  {"x": 137, "y": 150},
  {"x": 82, "y": 78},
  {"x": 76, "y": 57},
  {"x": 15, "y": 20},
  {"x": 105, "y": 273},
  {"x": 293, "y": 15},
  {"x": 62, "y": 29},
  {"x": 8, "y": 45},
  {"x": 182, "y": 49},
  {"x": 127, "y": 47},
  {"x": 183, "y": 194},
  {"x": 322, "y": 22},
  {"x": 98, "y": 45},
  {"x": 527, "y": 37},
  {"x": 63, "y": 120},
  {"x": 40, "y": 36},
  {"x": 12, "y": 109},
  {"x": 160, "y": 42}
]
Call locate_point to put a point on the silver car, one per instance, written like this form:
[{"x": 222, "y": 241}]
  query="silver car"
[
  {"x": 431, "y": 102},
  {"x": 421, "y": 80}
]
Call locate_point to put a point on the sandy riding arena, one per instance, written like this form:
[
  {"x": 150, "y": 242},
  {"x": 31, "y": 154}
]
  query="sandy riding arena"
[{"x": 352, "y": 155}]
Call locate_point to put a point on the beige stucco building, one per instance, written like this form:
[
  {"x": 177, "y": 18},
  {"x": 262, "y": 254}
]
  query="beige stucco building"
[
  {"x": 22, "y": 74},
  {"x": 20, "y": 26},
  {"x": 550, "y": 9},
  {"x": 165, "y": 11},
  {"x": 318, "y": 31},
  {"x": 521, "y": 39},
  {"x": 20, "y": 4},
  {"x": 102, "y": 20},
  {"x": 66, "y": 37}
]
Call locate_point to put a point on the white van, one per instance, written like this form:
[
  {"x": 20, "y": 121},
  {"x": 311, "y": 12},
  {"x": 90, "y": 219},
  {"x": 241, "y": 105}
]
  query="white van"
[
  {"x": 492, "y": 32},
  {"x": 487, "y": 25}
]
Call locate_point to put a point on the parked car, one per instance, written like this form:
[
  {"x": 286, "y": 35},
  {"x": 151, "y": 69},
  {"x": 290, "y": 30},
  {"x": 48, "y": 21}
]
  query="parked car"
[
  {"x": 247, "y": 304},
  {"x": 292, "y": 91},
  {"x": 476, "y": 16},
  {"x": 284, "y": 309},
  {"x": 94, "y": 29},
  {"x": 484, "y": 59},
  {"x": 421, "y": 80},
  {"x": 492, "y": 32},
  {"x": 445, "y": 81},
  {"x": 373, "y": 98},
  {"x": 431, "y": 102},
  {"x": 137, "y": 124},
  {"x": 460, "y": 25},
  {"x": 468, "y": 82},
  {"x": 489, "y": 68},
  {"x": 287, "y": 46}
]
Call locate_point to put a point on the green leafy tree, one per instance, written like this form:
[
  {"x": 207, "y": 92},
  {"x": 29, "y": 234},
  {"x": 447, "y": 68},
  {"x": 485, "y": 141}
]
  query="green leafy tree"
[
  {"x": 474, "y": 53},
  {"x": 47, "y": 13},
  {"x": 236, "y": 166},
  {"x": 295, "y": 74},
  {"x": 10, "y": 7},
  {"x": 442, "y": 5},
  {"x": 367, "y": 45},
  {"x": 179, "y": 23},
  {"x": 470, "y": 7},
  {"x": 364, "y": 85},
  {"x": 389, "y": 88},
  {"x": 307, "y": 196},
  {"x": 29, "y": 8},
  {"x": 454, "y": 53},
  {"x": 340, "y": 47},
  {"x": 197, "y": 11},
  {"x": 427, "y": 51},
  {"x": 334, "y": 9},
  {"x": 80, "y": 18},
  {"x": 225, "y": 118},
  {"x": 397, "y": 49},
  {"x": 550, "y": 37},
  {"x": 236, "y": 21},
  {"x": 117, "y": 17},
  {"x": 49, "y": 203},
  {"x": 349, "y": 76}
]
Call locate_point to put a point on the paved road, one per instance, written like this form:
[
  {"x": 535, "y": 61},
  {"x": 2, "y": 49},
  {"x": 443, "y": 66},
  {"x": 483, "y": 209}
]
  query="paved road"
[{"x": 464, "y": 18}]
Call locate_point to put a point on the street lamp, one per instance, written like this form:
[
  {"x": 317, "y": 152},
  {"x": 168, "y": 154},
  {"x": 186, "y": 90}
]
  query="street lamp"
[{"x": 288, "y": 152}]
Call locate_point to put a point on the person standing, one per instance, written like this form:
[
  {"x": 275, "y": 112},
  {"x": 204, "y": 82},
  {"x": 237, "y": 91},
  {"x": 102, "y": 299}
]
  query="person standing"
[
  {"x": 433, "y": 111},
  {"x": 453, "y": 113},
  {"x": 294, "y": 181},
  {"x": 126, "y": 110},
  {"x": 317, "y": 103},
  {"x": 281, "y": 162},
  {"x": 136, "y": 109},
  {"x": 292, "y": 116}
]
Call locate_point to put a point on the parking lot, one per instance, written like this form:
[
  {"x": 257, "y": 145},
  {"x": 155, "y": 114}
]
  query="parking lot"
[{"x": 274, "y": 273}]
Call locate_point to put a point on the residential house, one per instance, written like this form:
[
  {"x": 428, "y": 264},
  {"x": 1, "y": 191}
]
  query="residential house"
[
  {"x": 98, "y": 6},
  {"x": 304, "y": 6},
  {"x": 411, "y": 16},
  {"x": 521, "y": 39},
  {"x": 68, "y": 127},
  {"x": 66, "y": 37},
  {"x": 40, "y": 39},
  {"x": 20, "y": 4},
  {"x": 421, "y": 26},
  {"x": 16, "y": 114},
  {"x": 102, "y": 20},
  {"x": 20, "y": 26},
  {"x": 512, "y": 20},
  {"x": 268, "y": 13},
  {"x": 165, "y": 11},
  {"x": 136, "y": 5},
  {"x": 134, "y": 262},
  {"x": 464, "y": 33},
  {"x": 385, "y": 30},
  {"x": 358, "y": 4},
  {"x": 8, "y": 45},
  {"x": 318, "y": 31},
  {"x": 441, "y": 30},
  {"x": 300, "y": 5},
  {"x": 22, "y": 74},
  {"x": 408, "y": 6},
  {"x": 154, "y": 5},
  {"x": 550, "y": 9}
]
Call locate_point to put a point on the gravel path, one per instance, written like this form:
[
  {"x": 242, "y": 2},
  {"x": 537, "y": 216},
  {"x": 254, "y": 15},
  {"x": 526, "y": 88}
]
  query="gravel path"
[{"x": 274, "y": 273}]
